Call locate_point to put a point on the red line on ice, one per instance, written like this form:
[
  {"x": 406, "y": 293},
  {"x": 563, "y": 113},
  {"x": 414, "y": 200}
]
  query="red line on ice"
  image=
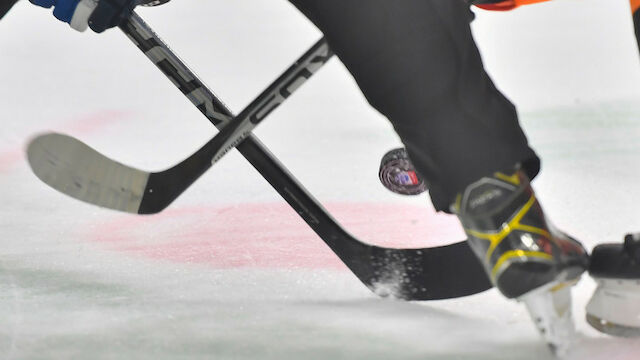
[{"x": 269, "y": 235}]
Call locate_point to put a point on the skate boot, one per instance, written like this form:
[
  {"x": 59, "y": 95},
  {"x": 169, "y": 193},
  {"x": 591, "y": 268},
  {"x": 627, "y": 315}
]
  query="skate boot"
[
  {"x": 398, "y": 174},
  {"x": 614, "y": 308},
  {"x": 525, "y": 257}
]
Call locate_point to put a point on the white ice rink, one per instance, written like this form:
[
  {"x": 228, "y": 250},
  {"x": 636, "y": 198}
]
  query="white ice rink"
[{"x": 229, "y": 271}]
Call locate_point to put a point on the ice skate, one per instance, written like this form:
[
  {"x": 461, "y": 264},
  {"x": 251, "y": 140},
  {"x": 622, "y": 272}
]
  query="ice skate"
[
  {"x": 614, "y": 308},
  {"x": 525, "y": 257}
]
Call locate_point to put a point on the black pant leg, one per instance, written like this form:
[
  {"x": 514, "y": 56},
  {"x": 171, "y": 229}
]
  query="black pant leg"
[
  {"x": 636, "y": 25},
  {"x": 417, "y": 63}
]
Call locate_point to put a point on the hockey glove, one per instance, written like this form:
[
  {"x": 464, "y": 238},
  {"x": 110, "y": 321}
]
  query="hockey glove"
[{"x": 97, "y": 14}]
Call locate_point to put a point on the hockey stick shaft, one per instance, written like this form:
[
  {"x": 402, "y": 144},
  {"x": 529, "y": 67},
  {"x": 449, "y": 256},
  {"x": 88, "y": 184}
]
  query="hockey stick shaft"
[
  {"x": 5, "y": 6},
  {"x": 205, "y": 100},
  {"x": 163, "y": 188},
  {"x": 292, "y": 79}
]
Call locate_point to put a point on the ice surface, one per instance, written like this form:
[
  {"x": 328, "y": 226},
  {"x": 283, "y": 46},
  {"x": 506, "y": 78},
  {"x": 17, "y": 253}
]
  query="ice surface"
[{"x": 229, "y": 272}]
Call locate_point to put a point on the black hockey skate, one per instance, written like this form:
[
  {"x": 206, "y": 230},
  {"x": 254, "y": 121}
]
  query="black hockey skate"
[
  {"x": 524, "y": 256},
  {"x": 614, "y": 308},
  {"x": 398, "y": 174}
]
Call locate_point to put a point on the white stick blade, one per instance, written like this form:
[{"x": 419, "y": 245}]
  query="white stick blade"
[{"x": 73, "y": 168}]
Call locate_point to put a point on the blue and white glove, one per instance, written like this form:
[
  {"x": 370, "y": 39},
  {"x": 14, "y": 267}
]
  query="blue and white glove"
[{"x": 97, "y": 14}]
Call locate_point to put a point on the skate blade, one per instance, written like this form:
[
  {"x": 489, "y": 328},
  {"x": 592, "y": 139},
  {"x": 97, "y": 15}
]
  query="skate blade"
[
  {"x": 550, "y": 310},
  {"x": 613, "y": 329},
  {"x": 614, "y": 308}
]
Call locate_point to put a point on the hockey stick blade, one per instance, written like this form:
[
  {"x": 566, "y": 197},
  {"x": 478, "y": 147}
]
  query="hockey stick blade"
[
  {"x": 443, "y": 272},
  {"x": 79, "y": 171},
  {"x": 435, "y": 273},
  {"x": 75, "y": 169}
]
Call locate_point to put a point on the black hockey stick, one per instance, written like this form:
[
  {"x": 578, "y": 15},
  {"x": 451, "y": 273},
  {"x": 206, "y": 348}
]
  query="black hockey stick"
[
  {"x": 131, "y": 190},
  {"x": 5, "y": 6},
  {"x": 413, "y": 274}
]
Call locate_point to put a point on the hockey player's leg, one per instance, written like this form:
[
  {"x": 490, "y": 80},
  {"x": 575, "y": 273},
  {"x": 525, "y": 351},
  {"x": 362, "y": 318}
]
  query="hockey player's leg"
[
  {"x": 635, "y": 9},
  {"x": 525, "y": 256},
  {"x": 417, "y": 63}
]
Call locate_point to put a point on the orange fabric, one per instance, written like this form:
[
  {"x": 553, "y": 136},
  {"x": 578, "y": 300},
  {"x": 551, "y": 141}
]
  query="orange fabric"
[
  {"x": 512, "y": 4},
  {"x": 635, "y": 5}
]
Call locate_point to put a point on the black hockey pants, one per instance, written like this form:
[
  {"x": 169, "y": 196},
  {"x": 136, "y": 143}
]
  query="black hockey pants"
[{"x": 417, "y": 63}]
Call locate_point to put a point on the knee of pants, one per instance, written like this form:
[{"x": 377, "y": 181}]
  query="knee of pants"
[{"x": 409, "y": 89}]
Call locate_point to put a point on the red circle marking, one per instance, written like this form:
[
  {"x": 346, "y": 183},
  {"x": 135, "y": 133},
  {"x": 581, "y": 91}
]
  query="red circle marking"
[{"x": 270, "y": 235}]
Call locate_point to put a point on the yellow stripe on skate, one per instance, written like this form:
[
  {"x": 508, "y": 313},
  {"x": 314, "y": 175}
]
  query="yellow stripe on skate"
[
  {"x": 457, "y": 204},
  {"x": 512, "y": 179},
  {"x": 517, "y": 254},
  {"x": 514, "y": 224}
]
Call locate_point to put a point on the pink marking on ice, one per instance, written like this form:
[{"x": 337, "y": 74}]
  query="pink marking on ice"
[
  {"x": 270, "y": 235},
  {"x": 9, "y": 158},
  {"x": 89, "y": 123},
  {"x": 81, "y": 125}
]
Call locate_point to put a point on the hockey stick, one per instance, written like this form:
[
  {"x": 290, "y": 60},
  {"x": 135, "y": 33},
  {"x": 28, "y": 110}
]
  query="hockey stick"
[
  {"x": 413, "y": 274},
  {"x": 5, "y": 6},
  {"x": 141, "y": 192}
]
